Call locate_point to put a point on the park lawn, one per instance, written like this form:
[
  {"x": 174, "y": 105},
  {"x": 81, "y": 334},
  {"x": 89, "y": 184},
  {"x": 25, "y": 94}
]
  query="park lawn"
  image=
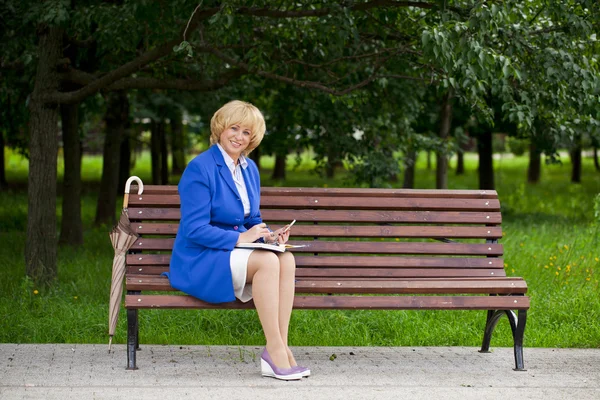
[{"x": 551, "y": 239}]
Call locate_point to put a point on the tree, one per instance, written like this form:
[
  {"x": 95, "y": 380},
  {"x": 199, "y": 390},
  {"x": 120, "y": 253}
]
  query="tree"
[{"x": 116, "y": 121}]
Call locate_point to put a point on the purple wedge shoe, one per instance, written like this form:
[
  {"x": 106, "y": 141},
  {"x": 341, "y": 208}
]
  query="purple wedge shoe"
[
  {"x": 268, "y": 368},
  {"x": 305, "y": 371}
]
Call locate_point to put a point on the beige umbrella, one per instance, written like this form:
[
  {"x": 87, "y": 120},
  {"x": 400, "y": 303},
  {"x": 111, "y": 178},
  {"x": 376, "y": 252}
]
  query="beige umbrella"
[{"x": 122, "y": 237}]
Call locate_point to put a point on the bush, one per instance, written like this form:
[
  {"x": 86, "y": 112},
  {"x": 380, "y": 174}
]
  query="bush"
[{"x": 517, "y": 146}]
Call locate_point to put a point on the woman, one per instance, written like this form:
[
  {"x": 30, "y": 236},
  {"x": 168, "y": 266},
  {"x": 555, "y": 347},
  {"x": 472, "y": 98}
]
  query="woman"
[{"x": 220, "y": 198}]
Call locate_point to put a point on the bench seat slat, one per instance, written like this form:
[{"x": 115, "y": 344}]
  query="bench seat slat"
[
  {"x": 345, "y": 302},
  {"x": 135, "y": 260}
]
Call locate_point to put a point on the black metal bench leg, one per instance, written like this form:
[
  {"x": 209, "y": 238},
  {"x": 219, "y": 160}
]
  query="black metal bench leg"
[
  {"x": 132, "y": 338},
  {"x": 517, "y": 326},
  {"x": 518, "y": 334},
  {"x": 493, "y": 316},
  {"x": 137, "y": 334}
]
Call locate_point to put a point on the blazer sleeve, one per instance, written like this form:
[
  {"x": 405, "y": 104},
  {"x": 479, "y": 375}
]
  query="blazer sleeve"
[{"x": 196, "y": 199}]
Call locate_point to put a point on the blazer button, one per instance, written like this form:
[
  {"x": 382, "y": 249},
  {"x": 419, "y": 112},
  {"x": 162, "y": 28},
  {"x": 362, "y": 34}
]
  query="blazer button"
[{"x": 235, "y": 227}]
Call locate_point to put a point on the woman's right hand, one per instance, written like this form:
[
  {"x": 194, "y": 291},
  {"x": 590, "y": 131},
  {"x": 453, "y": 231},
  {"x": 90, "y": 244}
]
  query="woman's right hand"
[{"x": 253, "y": 234}]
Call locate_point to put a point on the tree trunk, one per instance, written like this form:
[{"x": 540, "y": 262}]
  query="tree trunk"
[
  {"x": 3, "y": 183},
  {"x": 576, "y": 164},
  {"x": 534, "y": 169},
  {"x": 409, "y": 169},
  {"x": 441, "y": 173},
  {"x": 596, "y": 164},
  {"x": 157, "y": 129},
  {"x": 124, "y": 161},
  {"x": 333, "y": 162},
  {"x": 460, "y": 163},
  {"x": 71, "y": 228},
  {"x": 486, "y": 161},
  {"x": 117, "y": 113},
  {"x": 164, "y": 156},
  {"x": 279, "y": 169},
  {"x": 429, "y": 160},
  {"x": 41, "y": 244},
  {"x": 177, "y": 144}
]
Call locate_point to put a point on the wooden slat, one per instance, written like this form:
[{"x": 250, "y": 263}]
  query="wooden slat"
[
  {"x": 152, "y": 200},
  {"x": 154, "y": 214},
  {"x": 416, "y": 217},
  {"x": 318, "y": 273},
  {"x": 346, "y": 302},
  {"x": 363, "y": 192},
  {"x": 388, "y": 286},
  {"x": 303, "y": 273},
  {"x": 385, "y": 203},
  {"x": 472, "y": 285},
  {"x": 356, "y": 192},
  {"x": 136, "y": 260},
  {"x": 143, "y": 244},
  {"x": 397, "y": 262},
  {"x": 374, "y": 247},
  {"x": 155, "y": 189},
  {"x": 352, "y": 203},
  {"x": 366, "y": 216},
  {"x": 148, "y": 259},
  {"x": 377, "y": 247},
  {"x": 149, "y": 228},
  {"x": 388, "y": 231}
]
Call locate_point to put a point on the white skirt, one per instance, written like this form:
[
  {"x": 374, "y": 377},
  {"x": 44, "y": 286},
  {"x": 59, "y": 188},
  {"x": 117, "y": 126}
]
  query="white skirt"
[{"x": 238, "y": 263}]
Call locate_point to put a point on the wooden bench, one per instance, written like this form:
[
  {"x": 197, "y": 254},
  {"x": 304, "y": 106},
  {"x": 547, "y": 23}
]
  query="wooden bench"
[{"x": 377, "y": 249}]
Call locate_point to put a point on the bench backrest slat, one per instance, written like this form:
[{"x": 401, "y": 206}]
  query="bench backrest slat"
[
  {"x": 340, "y": 203},
  {"x": 354, "y": 192},
  {"x": 331, "y": 216},
  {"x": 465, "y": 249},
  {"x": 354, "y": 261},
  {"x": 387, "y": 231}
]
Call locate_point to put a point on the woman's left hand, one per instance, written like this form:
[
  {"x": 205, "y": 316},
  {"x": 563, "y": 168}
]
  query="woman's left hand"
[{"x": 283, "y": 237}]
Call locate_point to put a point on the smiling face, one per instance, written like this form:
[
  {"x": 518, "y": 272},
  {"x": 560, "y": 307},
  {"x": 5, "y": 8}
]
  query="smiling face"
[
  {"x": 235, "y": 140},
  {"x": 238, "y": 126}
]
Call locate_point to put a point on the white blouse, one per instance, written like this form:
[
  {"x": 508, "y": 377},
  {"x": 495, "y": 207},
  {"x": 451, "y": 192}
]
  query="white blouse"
[{"x": 238, "y": 178}]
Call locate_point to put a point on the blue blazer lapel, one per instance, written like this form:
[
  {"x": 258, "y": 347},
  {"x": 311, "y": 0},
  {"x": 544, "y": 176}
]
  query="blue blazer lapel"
[
  {"x": 223, "y": 169},
  {"x": 251, "y": 189}
]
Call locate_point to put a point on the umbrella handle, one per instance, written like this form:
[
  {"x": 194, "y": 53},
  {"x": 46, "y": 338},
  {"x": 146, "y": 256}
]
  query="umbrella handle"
[{"x": 128, "y": 187}]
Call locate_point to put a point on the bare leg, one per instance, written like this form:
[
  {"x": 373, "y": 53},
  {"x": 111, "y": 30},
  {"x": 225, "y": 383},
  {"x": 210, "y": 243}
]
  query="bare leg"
[
  {"x": 287, "y": 287},
  {"x": 264, "y": 273}
]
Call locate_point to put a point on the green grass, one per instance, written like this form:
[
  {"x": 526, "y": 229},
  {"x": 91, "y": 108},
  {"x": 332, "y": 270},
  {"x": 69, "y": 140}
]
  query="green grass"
[{"x": 551, "y": 239}]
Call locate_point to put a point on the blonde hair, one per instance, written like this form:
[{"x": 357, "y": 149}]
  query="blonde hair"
[{"x": 242, "y": 113}]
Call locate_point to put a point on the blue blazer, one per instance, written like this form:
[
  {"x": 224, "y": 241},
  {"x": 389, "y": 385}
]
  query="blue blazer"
[{"x": 212, "y": 218}]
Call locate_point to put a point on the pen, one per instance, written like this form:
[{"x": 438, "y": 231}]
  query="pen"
[{"x": 287, "y": 228}]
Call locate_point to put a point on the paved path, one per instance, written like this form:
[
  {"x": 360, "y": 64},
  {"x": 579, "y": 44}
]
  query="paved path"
[{"x": 64, "y": 371}]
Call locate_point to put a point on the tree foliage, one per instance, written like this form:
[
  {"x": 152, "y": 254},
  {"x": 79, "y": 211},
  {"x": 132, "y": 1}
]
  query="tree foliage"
[{"x": 537, "y": 59}]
